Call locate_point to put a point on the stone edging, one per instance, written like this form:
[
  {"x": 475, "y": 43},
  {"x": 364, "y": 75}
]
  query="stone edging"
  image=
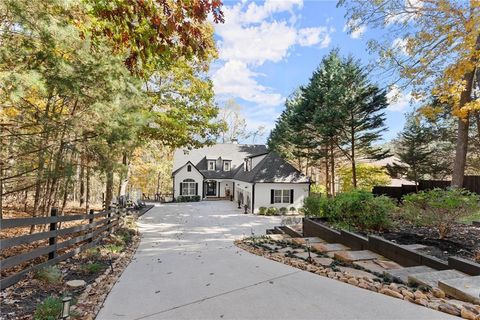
[
  {"x": 434, "y": 299},
  {"x": 92, "y": 298}
]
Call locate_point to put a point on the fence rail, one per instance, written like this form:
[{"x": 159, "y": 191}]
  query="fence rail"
[
  {"x": 83, "y": 236},
  {"x": 471, "y": 183}
]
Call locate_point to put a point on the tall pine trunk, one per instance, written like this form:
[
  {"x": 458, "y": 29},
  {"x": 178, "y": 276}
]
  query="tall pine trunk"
[
  {"x": 109, "y": 186},
  {"x": 332, "y": 167}
]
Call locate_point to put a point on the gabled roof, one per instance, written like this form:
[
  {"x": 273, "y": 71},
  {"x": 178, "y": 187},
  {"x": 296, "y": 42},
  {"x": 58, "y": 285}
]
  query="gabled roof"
[
  {"x": 228, "y": 151},
  {"x": 272, "y": 169},
  {"x": 180, "y": 168}
]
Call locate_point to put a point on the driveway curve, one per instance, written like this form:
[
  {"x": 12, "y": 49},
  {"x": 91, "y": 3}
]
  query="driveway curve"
[{"x": 187, "y": 267}]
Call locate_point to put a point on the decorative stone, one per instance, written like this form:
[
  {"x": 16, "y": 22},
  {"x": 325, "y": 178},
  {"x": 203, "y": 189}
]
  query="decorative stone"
[
  {"x": 422, "y": 302},
  {"x": 391, "y": 293},
  {"x": 467, "y": 314},
  {"x": 387, "y": 264},
  {"x": 438, "y": 293},
  {"x": 419, "y": 295},
  {"x": 353, "y": 281},
  {"x": 408, "y": 294},
  {"x": 448, "y": 308},
  {"x": 370, "y": 265},
  {"x": 356, "y": 273},
  {"x": 76, "y": 283}
]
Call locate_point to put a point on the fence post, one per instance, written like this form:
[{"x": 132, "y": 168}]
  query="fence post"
[
  {"x": 109, "y": 215},
  {"x": 90, "y": 221},
  {"x": 53, "y": 240}
]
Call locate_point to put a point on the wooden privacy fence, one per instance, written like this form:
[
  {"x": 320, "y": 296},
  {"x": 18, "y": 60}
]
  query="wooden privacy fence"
[
  {"x": 471, "y": 183},
  {"x": 91, "y": 228}
]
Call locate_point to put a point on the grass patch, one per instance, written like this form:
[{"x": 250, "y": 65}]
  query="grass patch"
[
  {"x": 50, "y": 274},
  {"x": 93, "y": 267},
  {"x": 48, "y": 309},
  {"x": 114, "y": 248}
]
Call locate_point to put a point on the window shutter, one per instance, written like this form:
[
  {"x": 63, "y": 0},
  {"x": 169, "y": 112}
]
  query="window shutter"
[
  {"x": 271, "y": 196},
  {"x": 291, "y": 195},
  {"x": 196, "y": 189},
  {"x": 181, "y": 188}
]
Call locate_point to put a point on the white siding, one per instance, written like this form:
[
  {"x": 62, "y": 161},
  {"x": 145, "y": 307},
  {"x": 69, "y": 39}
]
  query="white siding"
[
  {"x": 184, "y": 174},
  {"x": 262, "y": 194},
  {"x": 246, "y": 189}
]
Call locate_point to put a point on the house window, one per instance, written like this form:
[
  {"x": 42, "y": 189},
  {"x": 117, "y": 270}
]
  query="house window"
[
  {"x": 248, "y": 164},
  {"x": 281, "y": 196},
  {"x": 226, "y": 165},
  {"x": 189, "y": 168},
  {"x": 211, "y": 164},
  {"x": 188, "y": 187}
]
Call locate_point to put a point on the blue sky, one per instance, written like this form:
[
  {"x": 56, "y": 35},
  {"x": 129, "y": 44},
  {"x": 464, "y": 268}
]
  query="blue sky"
[{"x": 269, "y": 48}]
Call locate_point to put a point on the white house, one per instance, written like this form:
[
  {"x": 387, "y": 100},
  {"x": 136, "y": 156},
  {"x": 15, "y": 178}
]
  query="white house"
[{"x": 249, "y": 173}]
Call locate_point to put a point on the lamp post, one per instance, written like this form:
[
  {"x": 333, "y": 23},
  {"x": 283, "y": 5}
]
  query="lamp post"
[
  {"x": 66, "y": 308},
  {"x": 307, "y": 242}
]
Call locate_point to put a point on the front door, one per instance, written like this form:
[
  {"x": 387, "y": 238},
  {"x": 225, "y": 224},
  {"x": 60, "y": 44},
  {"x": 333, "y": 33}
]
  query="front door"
[{"x": 211, "y": 188}]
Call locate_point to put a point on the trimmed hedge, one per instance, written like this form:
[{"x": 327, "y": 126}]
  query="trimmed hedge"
[{"x": 187, "y": 199}]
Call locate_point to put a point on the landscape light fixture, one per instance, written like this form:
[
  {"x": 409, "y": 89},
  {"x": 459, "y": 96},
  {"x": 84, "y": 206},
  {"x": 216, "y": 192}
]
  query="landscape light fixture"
[
  {"x": 66, "y": 308},
  {"x": 307, "y": 242}
]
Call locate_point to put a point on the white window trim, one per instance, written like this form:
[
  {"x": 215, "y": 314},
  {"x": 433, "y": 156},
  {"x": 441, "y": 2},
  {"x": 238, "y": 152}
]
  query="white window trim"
[
  {"x": 228, "y": 163},
  {"x": 210, "y": 162},
  {"x": 281, "y": 196},
  {"x": 188, "y": 188}
]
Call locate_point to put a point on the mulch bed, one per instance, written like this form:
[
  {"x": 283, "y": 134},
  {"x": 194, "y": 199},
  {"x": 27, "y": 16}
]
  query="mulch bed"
[
  {"x": 20, "y": 300},
  {"x": 463, "y": 240}
]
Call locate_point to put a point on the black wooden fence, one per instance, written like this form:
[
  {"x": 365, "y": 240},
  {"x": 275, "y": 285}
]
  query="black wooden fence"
[
  {"x": 471, "y": 183},
  {"x": 92, "y": 227}
]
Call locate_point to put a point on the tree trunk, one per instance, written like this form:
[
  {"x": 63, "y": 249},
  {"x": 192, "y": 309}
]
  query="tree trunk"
[
  {"x": 332, "y": 168},
  {"x": 81, "y": 179},
  {"x": 477, "y": 120},
  {"x": 109, "y": 187},
  {"x": 87, "y": 189},
  {"x": 462, "y": 133},
  {"x": 327, "y": 173},
  {"x": 352, "y": 139}
]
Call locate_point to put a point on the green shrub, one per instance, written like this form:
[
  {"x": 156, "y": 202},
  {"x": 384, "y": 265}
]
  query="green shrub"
[
  {"x": 262, "y": 211},
  {"x": 283, "y": 210},
  {"x": 187, "y": 198},
  {"x": 293, "y": 209},
  {"x": 93, "y": 267},
  {"x": 440, "y": 208},
  {"x": 92, "y": 253},
  {"x": 361, "y": 210},
  {"x": 48, "y": 309},
  {"x": 316, "y": 205},
  {"x": 272, "y": 211},
  {"x": 50, "y": 274}
]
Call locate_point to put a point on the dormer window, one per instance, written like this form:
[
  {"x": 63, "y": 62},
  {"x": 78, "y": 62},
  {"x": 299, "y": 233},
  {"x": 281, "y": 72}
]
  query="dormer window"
[
  {"x": 226, "y": 165},
  {"x": 211, "y": 165}
]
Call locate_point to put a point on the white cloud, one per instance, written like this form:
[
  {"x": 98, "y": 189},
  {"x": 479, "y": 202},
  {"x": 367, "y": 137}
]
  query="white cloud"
[
  {"x": 253, "y": 35},
  {"x": 356, "y": 29},
  {"x": 235, "y": 79},
  {"x": 311, "y": 36},
  {"x": 398, "y": 100}
]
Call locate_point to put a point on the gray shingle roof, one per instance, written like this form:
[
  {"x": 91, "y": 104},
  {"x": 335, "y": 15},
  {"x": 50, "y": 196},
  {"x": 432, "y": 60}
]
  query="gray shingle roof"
[
  {"x": 274, "y": 169},
  {"x": 236, "y": 153}
]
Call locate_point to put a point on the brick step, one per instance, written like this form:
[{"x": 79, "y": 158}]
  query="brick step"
[
  {"x": 432, "y": 278},
  {"x": 465, "y": 288}
]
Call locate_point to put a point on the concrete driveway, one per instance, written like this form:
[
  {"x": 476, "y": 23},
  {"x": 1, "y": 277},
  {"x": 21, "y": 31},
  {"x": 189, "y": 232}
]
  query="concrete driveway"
[{"x": 188, "y": 268}]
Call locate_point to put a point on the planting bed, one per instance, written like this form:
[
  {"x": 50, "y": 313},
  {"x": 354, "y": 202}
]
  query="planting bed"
[
  {"x": 463, "y": 241},
  {"x": 97, "y": 268}
]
